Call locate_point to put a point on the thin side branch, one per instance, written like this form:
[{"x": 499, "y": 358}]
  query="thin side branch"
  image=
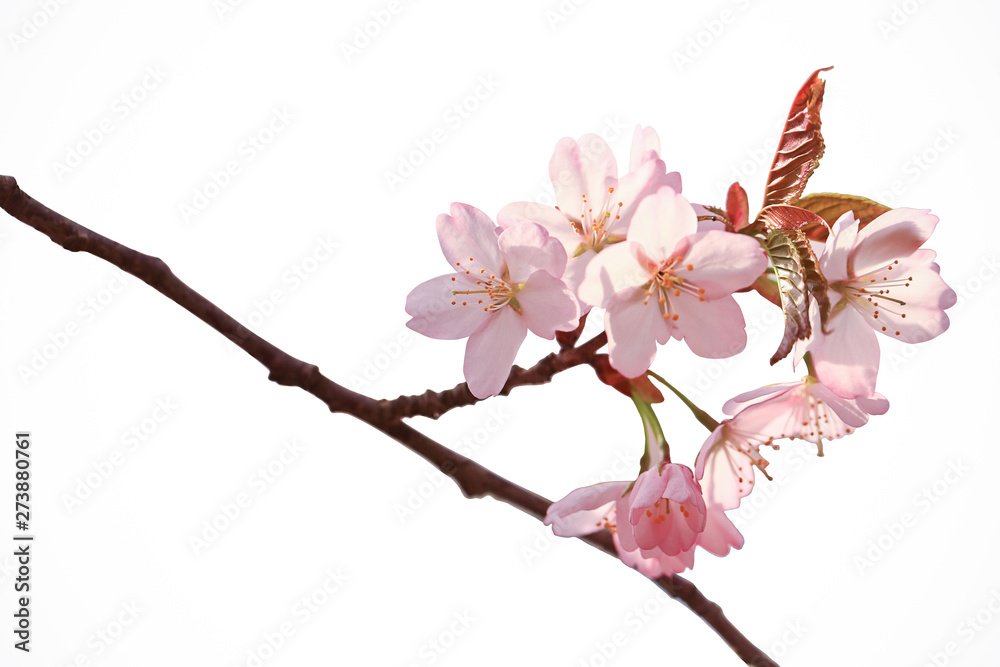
[
  {"x": 473, "y": 479},
  {"x": 433, "y": 404}
]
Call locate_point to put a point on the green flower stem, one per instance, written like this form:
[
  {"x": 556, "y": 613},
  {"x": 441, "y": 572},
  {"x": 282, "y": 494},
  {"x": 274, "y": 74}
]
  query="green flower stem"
[
  {"x": 807, "y": 357},
  {"x": 703, "y": 417},
  {"x": 653, "y": 431}
]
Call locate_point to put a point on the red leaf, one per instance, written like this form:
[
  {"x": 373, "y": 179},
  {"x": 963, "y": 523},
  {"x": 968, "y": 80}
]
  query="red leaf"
[
  {"x": 737, "y": 207},
  {"x": 641, "y": 385},
  {"x": 780, "y": 216},
  {"x": 800, "y": 146}
]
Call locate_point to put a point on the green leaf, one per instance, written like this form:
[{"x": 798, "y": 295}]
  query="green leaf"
[
  {"x": 830, "y": 206},
  {"x": 800, "y": 147},
  {"x": 799, "y": 281}
]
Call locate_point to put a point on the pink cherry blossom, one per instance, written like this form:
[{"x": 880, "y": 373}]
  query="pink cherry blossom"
[
  {"x": 593, "y": 206},
  {"x": 880, "y": 281},
  {"x": 504, "y": 284},
  {"x": 726, "y": 462},
  {"x": 808, "y": 410},
  {"x": 671, "y": 280},
  {"x": 665, "y": 518}
]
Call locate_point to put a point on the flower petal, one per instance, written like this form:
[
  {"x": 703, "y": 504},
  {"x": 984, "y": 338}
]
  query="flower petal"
[
  {"x": 527, "y": 247},
  {"x": 576, "y": 271},
  {"x": 648, "y": 490},
  {"x": 737, "y": 403},
  {"x": 661, "y": 221},
  {"x": 468, "y": 239},
  {"x": 712, "y": 329},
  {"x": 893, "y": 235},
  {"x": 874, "y": 405},
  {"x": 847, "y": 358},
  {"x": 720, "y": 535},
  {"x": 635, "y": 186},
  {"x": 490, "y": 352},
  {"x": 847, "y": 410},
  {"x": 925, "y": 296},
  {"x": 722, "y": 262},
  {"x": 633, "y": 331},
  {"x": 436, "y": 312},
  {"x": 613, "y": 269},
  {"x": 579, "y": 512},
  {"x": 645, "y": 147},
  {"x": 582, "y": 169},
  {"x": 833, "y": 262},
  {"x": 553, "y": 220},
  {"x": 726, "y": 473},
  {"x": 547, "y": 305}
]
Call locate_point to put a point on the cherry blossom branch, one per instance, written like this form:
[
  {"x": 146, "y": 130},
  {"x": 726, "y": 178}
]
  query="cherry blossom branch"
[
  {"x": 433, "y": 404},
  {"x": 474, "y": 480}
]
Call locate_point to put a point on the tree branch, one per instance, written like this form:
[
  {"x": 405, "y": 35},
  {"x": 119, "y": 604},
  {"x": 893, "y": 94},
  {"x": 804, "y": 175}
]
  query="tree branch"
[
  {"x": 433, "y": 404},
  {"x": 473, "y": 479}
]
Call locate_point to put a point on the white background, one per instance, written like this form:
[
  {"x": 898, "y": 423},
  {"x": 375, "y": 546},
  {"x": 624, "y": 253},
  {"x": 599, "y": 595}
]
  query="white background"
[{"x": 825, "y": 578}]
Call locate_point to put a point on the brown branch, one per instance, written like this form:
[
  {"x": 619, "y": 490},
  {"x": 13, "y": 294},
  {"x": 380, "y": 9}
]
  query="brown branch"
[
  {"x": 473, "y": 479},
  {"x": 433, "y": 404}
]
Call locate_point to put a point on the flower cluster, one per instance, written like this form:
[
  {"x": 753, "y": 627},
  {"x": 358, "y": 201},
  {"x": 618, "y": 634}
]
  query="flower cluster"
[{"x": 663, "y": 268}]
